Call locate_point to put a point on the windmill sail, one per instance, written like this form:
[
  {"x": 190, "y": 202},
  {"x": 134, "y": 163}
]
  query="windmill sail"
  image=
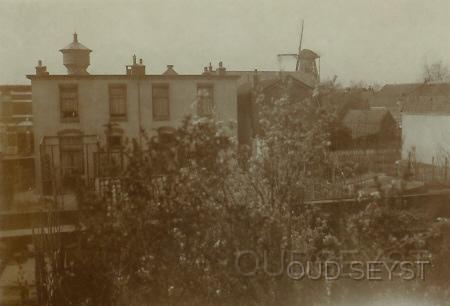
[{"x": 297, "y": 66}]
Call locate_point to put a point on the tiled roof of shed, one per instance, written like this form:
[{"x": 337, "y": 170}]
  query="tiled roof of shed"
[
  {"x": 397, "y": 89},
  {"x": 428, "y": 98},
  {"x": 389, "y": 95},
  {"x": 423, "y": 107},
  {"x": 434, "y": 89}
]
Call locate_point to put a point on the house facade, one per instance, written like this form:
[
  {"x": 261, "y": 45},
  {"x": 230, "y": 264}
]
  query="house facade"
[
  {"x": 16, "y": 118},
  {"x": 273, "y": 85},
  {"x": 16, "y": 140},
  {"x": 78, "y": 113},
  {"x": 271, "y": 88}
]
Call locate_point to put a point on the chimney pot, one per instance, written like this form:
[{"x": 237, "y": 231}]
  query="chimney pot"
[
  {"x": 169, "y": 66},
  {"x": 41, "y": 70},
  {"x": 221, "y": 70},
  {"x": 136, "y": 69},
  {"x": 75, "y": 37},
  {"x": 210, "y": 67}
]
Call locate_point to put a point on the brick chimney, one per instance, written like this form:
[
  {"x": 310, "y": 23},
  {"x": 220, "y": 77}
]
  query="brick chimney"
[
  {"x": 221, "y": 70},
  {"x": 136, "y": 69},
  {"x": 41, "y": 70}
]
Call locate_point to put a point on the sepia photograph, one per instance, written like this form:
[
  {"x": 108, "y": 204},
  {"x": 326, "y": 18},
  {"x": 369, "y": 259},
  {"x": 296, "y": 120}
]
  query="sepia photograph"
[{"x": 224, "y": 153}]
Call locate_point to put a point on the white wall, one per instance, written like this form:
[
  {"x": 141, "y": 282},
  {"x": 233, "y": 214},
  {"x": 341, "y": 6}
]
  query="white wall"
[{"x": 428, "y": 133}]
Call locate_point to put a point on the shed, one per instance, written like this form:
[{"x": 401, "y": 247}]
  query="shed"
[{"x": 371, "y": 126}]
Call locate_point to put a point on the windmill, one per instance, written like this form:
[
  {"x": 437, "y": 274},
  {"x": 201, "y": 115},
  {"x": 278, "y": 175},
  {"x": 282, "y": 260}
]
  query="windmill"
[{"x": 293, "y": 55}]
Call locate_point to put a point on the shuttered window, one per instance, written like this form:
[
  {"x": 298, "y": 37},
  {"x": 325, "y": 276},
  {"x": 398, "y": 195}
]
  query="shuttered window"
[
  {"x": 205, "y": 100},
  {"x": 68, "y": 98},
  {"x": 160, "y": 100},
  {"x": 118, "y": 100}
]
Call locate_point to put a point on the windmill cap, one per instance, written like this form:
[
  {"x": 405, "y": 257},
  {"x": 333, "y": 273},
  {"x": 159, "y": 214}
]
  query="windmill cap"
[{"x": 308, "y": 54}]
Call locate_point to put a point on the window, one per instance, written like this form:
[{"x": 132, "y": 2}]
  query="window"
[
  {"x": 115, "y": 141},
  {"x": 205, "y": 100},
  {"x": 118, "y": 101},
  {"x": 68, "y": 98},
  {"x": 11, "y": 139},
  {"x": 160, "y": 99},
  {"x": 6, "y": 108},
  {"x": 71, "y": 154},
  {"x": 21, "y": 108},
  {"x": 166, "y": 134}
]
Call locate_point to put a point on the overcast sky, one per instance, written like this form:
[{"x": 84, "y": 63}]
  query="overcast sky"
[{"x": 382, "y": 41}]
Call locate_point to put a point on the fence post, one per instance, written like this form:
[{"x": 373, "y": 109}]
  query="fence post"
[
  {"x": 432, "y": 168},
  {"x": 446, "y": 168}
]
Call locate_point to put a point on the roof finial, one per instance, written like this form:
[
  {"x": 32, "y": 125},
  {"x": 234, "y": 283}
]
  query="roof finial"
[{"x": 75, "y": 37}]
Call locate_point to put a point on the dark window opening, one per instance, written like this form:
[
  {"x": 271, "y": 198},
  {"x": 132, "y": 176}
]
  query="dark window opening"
[
  {"x": 115, "y": 141},
  {"x": 160, "y": 101},
  {"x": 118, "y": 101},
  {"x": 68, "y": 97}
]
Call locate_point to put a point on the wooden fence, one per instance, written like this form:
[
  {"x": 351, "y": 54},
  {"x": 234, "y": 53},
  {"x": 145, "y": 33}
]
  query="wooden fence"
[
  {"x": 378, "y": 161},
  {"x": 438, "y": 171},
  {"x": 367, "y": 162}
]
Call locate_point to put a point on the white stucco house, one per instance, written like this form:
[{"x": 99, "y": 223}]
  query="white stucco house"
[{"x": 426, "y": 124}]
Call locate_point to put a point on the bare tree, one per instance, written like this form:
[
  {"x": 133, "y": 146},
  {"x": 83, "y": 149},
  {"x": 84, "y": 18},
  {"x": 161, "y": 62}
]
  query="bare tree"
[{"x": 436, "y": 72}]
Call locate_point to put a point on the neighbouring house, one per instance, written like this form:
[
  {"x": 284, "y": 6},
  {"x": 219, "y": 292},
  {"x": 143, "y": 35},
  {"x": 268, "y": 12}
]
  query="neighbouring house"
[
  {"x": 392, "y": 97},
  {"x": 16, "y": 140},
  {"x": 271, "y": 89},
  {"x": 272, "y": 84},
  {"x": 307, "y": 72},
  {"x": 78, "y": 113},
  {"x": 371, "y": 128},
  {"x": 426, "y": 124}
]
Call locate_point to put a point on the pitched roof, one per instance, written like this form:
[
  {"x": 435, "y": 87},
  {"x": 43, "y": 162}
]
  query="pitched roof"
[
  {"x": 170, "y": 71},
  {"x": 397, "y": 89},
  {"x": 75, "y": 45},
  {"x": 247, "y": 87},
  {"x": 426, "y": 107},
  {"x": 429, "y": 98},
  {"x": 389, "y": 95},
  {"x": 366, "y": 122},
  {"x": 308, "y": 54},
  {"x": 247, "y": 76},
  {"x": 433, "y": 89}
]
